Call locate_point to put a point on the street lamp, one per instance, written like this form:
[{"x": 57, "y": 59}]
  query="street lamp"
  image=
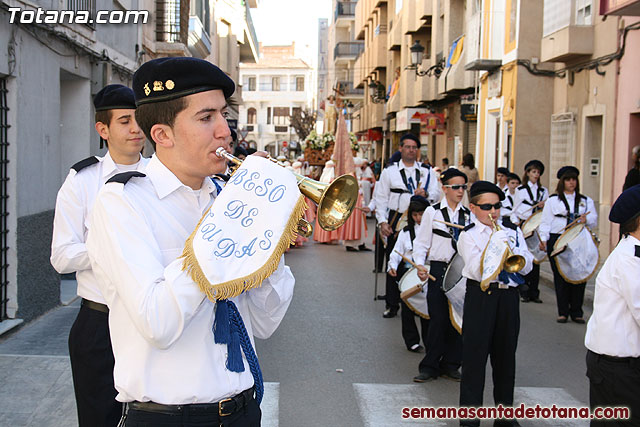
[{"x": 417, "y": 54}]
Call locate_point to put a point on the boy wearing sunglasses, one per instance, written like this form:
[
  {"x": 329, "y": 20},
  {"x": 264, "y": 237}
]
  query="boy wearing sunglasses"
[
  {"x": 491, "y": 319},
  {"x": 439, "y": 240}
]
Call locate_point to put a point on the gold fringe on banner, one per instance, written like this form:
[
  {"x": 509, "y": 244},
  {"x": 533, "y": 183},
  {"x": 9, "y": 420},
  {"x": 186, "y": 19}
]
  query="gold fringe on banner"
[
  {"x": 484, "y": 284},
  {"x": 235, "y": 287}
]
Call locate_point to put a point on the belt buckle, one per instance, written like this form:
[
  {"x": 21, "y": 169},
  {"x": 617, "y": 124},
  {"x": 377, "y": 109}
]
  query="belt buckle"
[
  {"x": 503, "y": 286},
  {"x": 220, "y": 413}
]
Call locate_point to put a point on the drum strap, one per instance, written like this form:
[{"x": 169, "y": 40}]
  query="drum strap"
[
  {"x": 538, "y": 198},
  {"x": 404, "y": 179},
  {"x": 576, "y": 205}
]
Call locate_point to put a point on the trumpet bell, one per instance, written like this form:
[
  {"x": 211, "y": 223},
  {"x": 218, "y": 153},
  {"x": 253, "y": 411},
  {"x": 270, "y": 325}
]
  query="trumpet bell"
[
  {"x": 514, "y": 263},
  {"x": 336, "y": 201}
]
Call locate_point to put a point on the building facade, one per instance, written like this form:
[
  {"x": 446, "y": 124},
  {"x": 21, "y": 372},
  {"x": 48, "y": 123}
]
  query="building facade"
[{"x": 274, "y": 87}]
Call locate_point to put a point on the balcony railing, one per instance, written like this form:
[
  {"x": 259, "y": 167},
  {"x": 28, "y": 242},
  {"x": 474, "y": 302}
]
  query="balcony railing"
[
  {"x": 345, "y": 9},
  {"x": 348, "y": 49},
  {"x": 346, "y": 87},
  {"x": 84, "y": 5},
  {"x": 172, "y": 21}
]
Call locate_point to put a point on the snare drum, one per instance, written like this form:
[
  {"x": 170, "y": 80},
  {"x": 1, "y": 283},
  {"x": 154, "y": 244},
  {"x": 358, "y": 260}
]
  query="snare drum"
[
  {"x": 414, "y": 293},
  {"x": 454, "y": 286},
  {"x": 576, "y": 254}
]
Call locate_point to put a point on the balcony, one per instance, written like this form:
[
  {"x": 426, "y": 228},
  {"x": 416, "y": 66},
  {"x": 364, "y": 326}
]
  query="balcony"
[
  {"x": 199, "y": 42},
  {"x": 249, "y": 49},
  {"x": 347, "y": 51},
  {"x": 361, "y": 20},
  {"x": 394, "y": 36},
  {"x": 620, "y": 7},
  {"x": 172, "y": 28},
  {"x": 377, "y": 53},
  {"x": 358, "y": 71},
  {"x": 348, "y": 89},
  {"x": 345, "y": 13},
  {"x": 567, "y": 44}
]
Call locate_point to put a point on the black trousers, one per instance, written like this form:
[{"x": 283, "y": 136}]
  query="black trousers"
[
  {"x": 444, "y": 343},
  {"x": 249, "y": 416},
  {"x": 410, "y": 332},
  {"x": 92, "y": 363},
  {"x": 392, "y": 293},
  {"x": 490, "y": 327},
  {"x": 531, "y": 280},
  {"x": 569, "y": 296},
  {"x": 614, "y": 383}
]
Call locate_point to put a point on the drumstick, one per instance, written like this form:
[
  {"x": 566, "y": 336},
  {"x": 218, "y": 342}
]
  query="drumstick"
[
  {"x": 576, "y": 220},
  {"x": 450, "y": 224},
  {"x": 413, "y": 264},
  {"x": 533, "y": 207}
]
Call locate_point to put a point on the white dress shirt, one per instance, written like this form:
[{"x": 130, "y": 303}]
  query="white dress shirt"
[
  {"x": 472, "y": 243},
  {"x": 160, "y": 321},
  {"x": 507, "y": 205},
  {"x": 554, "y": 206},
  {"x": 390, "y": 178},
  {"x": 614, "y": 326},
  {"x": 523, "y": 203},
  {"x": 427, "y": 243},
  {"x": 404, "y": 246},
  {"x": 70, "y": 223}
]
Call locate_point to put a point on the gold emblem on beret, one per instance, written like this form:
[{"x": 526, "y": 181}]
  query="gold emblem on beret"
[
  {"x": 147, "y": 91},
  {"x": 157, "y": 86},
  {"x": 170, "y": 84}
]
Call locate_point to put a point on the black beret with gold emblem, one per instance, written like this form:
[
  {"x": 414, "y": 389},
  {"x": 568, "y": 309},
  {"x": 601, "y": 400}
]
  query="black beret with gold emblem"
[
  {"x": 164, "y": 79},
  {"x": 482, "y": 187},
  {"x": 113, "y": 97},
  {"x": 451, "y": 173}
]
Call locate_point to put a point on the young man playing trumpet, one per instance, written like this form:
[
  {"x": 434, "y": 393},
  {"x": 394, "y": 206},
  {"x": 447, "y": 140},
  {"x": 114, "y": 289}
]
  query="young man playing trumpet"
[
  {"x": 437, "y": 238},
  {"x": 170, "y": 368},
  {"x": 491, "y": 319}
]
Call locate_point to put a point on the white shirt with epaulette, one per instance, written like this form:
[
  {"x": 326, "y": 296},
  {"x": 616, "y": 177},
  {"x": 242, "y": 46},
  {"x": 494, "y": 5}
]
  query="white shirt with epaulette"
[
  {"x": 614, "y": 326},
  {"x": 555, "y": 216},
  {"x": 434, "y": 239},
  {"x": 527, "y": 196},
  {"x": 160, "y": 321},
  {"x": 70, "y": 224},
  {"x": 391, "y": 193}
]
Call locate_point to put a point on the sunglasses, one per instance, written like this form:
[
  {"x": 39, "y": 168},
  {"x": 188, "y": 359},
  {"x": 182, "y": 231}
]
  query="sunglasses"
[
  {"x": 456, "y": 186},
  {"x": 488, "y": 206}
]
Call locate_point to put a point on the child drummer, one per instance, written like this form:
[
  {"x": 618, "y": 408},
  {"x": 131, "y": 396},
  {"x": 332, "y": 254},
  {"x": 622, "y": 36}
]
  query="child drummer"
[
  {"x": 397, "y": 268},
  {"x": 491, "y": 320}
]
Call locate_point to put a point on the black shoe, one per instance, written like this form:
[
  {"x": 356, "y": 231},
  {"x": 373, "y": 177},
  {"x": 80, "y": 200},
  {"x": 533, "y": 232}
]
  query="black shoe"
[
  {"x": 388, "y": 313},
  {"x": 363, "y": 248},
  {"x": 416, "y": 348},
  {"x": 423, "y": 377},
  {"x": 561, "y": 319},
  {"x": 351, "y": 249},
  {"x": 578, "y": 320},
  {"x": 525, "y": 299},
  {"x": 377, "y": 270},
  {"x": 453, "y": 376},
  {"x": 536, "y": 300}
]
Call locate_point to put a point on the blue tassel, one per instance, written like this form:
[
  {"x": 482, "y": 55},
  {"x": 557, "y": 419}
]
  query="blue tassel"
[
  {"x": 516, "y": 277},
  {"x": 221, "y": 329},
  {"x": 234, "y": 355}
]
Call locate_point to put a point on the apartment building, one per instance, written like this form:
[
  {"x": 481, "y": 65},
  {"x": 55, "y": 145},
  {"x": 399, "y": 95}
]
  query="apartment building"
[
  {"x": 412, "y": 71},
  {"x": 274, "y": 87}
]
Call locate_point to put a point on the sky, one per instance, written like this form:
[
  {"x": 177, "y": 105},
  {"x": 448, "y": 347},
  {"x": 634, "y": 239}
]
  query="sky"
[{"x": 279, "y": 22}]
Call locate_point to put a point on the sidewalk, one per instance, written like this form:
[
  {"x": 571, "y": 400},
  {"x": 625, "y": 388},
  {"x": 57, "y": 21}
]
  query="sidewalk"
[{"x": 35, "y": 373}]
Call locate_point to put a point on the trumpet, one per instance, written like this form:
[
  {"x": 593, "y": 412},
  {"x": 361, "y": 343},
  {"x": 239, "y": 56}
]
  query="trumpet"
[
  {"x": 513, "y": 263},
  {"x": 336, "y": 201}
]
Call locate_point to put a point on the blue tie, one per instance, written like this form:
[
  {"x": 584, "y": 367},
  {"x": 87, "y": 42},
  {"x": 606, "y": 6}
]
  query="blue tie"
[
  {"x": 411, "y": 185},
  {"x": 228, "y": 328}
]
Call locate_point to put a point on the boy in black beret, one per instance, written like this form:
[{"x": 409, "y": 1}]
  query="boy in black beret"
[
  {"x": 168, "y": 368},
  {"x": 501, "y": 178},
  {"x": 491, "y": 319},
  {"x": 613, "y": 331},
  {"x": 90, "y": 350}
]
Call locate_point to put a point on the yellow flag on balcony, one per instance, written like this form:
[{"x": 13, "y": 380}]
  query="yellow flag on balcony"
[{"x": 456, "y": 51}]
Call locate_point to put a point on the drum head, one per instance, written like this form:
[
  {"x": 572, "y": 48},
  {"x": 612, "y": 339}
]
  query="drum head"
[
  {"x": 565, "y": 238},
  {"x": 455, "y": 296},
  {"x": 533, "y": 244},
  {"x": 531, "y": 224},
  {"x": 578, "y": 262},
  {"x": 402, "y": 222},
  {"x": 453, "y": 273},
  {"x": 418, "y": 302}
]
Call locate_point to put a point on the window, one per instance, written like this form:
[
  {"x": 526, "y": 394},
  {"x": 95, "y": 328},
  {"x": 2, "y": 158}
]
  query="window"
[
  {"x": 250, "y": 83},
  {"x": 300, "y": 84},
  {"x": 562, "y": 141},
  {"x": 583, "y": 12},
  {"x": 281, "y": 116},
  {"x": 252, "y": 116},
  {"x": 268, "y": 115},
  {"x": 275, "y": 84},
  {"x": 557, "y": 15},
  {"x": 513, "y": 21}
]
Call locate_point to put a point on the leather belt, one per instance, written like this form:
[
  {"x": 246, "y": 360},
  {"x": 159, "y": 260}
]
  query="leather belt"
[
  {"x": 492, "y": 286},
  {"x": 223, "y": 408},
  {"x": 95, "y": 306},
  {"x": 616, "y": 359}
]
